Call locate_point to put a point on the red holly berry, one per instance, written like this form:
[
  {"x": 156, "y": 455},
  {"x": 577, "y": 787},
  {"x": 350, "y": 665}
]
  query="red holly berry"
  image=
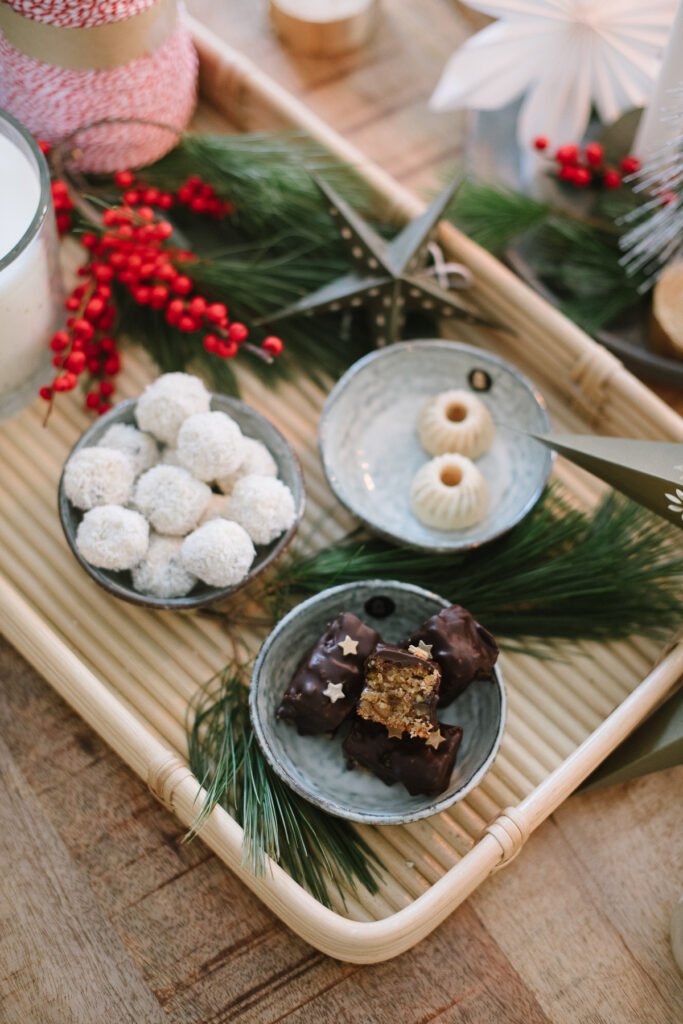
[
  {"x": 106, "y": 388},
  {"x": 568, "y": 154},
  {"x": 124, "y": 179},
  {"x": 582, "y": 177},
  {"x": 112, "y": 365},
  {"x": 541, "y": 143},
  {"x": 594, "y": 154},
  {"x": 92, "y": 400},
  {"x": 273, "y": 345},
  {"x": 44, "y": 146},
  {"x": 132, "y": 197},
  {"x": 197, "y": 307},
  {"x": 94, "y": 309},
  {"x": 59, "y": 341},
  {"x": 65, "y": 382},
  {"x": 187, "y": 323},
  {"x": 630, "y": 164},
  {"x": 611, "y": 178},
  {"x": 227, "y": 349},
  {"x": 211, "y": 342},
  {"x": 75, "y": 361},
  {"x": 216, "y": 312},
  {"x": 238, "y": 333},
  {"x": 45, "y": 393},
  {"x": 182, "y": 285}
]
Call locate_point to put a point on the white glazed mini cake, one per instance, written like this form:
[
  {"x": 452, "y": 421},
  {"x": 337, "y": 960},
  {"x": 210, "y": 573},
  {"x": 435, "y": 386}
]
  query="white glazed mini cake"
[
  {"x": 449, "y": 493},
  {"x": 455, "y": 421}
]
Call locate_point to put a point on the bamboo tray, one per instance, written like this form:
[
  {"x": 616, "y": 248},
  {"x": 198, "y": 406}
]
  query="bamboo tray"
[{"x": 130, "y": 672}]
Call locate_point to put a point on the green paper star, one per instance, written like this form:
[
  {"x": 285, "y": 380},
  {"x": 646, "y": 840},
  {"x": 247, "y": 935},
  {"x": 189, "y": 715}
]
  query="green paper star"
[{"x": 388, "y": 277}]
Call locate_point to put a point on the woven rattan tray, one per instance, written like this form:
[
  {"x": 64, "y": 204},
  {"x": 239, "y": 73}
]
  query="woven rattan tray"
[{"x": 130, "y": 672}]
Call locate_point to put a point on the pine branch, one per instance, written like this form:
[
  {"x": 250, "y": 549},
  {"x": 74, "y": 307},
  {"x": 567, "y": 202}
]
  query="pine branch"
[
  {"x": 560, "y": 574},
  {"x": 495, "y": 217},
  {"x": 314, "y": 847}
]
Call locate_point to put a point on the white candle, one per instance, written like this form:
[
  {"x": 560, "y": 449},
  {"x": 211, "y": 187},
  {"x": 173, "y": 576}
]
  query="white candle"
[
  {"x": 655, "y": 128},
  {"x": 29, "y": 287}
]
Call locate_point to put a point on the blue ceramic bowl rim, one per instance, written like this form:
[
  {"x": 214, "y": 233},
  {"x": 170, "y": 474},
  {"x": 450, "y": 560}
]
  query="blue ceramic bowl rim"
[
  {"x": 443, "y": 344},
  {"x": 207, "y": 595},
  {"x": 430, "y": 807}
]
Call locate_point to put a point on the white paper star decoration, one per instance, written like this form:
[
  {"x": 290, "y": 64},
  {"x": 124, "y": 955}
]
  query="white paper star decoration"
[{"x": 563, "y": 56}]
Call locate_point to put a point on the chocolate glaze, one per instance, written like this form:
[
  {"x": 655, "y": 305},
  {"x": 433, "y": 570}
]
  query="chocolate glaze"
[
  {"x": 304, "y": 703},
  {"x": 463, "y": 649},
  {"x": 399, "y": 656},
  {"x": 421, "y": 769}
]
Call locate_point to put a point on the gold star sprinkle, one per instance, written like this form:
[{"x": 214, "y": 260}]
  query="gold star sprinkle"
[
  {"x": 419, "y": 652},
  {"x": 435, "y": 740},
  {"x": 394, "y": 734},
  {"x": 348, "y": 646},
  {"x": 427, "y": 648},
  {"x": 334, "y": 692}
]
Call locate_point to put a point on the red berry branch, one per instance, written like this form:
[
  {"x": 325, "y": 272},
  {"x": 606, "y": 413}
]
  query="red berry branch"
[
  {"x": 586, "y": 167},
  {"x": 134, "y": 249}
]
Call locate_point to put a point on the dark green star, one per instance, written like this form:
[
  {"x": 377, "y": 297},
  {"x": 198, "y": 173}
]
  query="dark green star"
[{"x": 387, "y": 277}]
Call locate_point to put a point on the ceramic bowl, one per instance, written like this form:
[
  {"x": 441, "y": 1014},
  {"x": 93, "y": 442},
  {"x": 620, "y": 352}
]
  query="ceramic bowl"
[
  {"x": 371, "y": 452},
  {"x": 315, "y": 766},
  {"x": 252, "y": 424}
]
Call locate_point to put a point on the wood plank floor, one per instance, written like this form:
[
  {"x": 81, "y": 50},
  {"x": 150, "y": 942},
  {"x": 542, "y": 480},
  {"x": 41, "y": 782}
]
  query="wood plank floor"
[{"x": 107, "y": 916}]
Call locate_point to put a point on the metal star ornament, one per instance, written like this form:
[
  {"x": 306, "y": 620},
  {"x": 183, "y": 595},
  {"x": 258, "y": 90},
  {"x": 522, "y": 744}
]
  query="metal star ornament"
[{"x": 388, "y": 277}]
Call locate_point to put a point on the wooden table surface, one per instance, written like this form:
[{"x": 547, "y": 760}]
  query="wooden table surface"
[{"x": 106, "y": 916}]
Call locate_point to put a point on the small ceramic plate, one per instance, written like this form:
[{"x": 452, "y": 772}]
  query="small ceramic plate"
[
  {"x": 371, "y": 452},
  {"x": 315, "y": 766},
  {"x": 252, "y": 424}
]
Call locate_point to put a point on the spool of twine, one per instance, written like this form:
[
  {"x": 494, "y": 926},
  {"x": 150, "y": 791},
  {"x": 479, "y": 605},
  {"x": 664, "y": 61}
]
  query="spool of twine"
[{"x": 66, "y": 65}]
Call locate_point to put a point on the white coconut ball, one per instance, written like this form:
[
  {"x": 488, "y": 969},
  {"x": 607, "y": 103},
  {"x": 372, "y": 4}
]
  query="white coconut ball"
[
  {"x": 161, "y": 572},
  {"x": 171, "y": 499},
  {"x": 220, "y": 553},
  {"x": 263, "y": 506},
  {"x": 168, "y": 401},
  {"x": 216, "y": 509},
  {"x": 112, "y": 537},
  {"x": 98, "y": 476},
  {"x": 140, "y": 448},
  {"x": 210, "y": 445},
  {"x": 256, "y": 460}
]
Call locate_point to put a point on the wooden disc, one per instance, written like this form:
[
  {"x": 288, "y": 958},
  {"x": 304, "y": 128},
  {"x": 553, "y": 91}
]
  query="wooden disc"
[
  {"x": 324, "y": 28},
  {"x": 666, "y": 326}
]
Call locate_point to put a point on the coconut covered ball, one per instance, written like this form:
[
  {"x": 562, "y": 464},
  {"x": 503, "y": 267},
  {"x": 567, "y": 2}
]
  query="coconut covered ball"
[
  {"x": 140, "y": 448},
  {"x": 161, "y": 572},
  {"x": 168, "y": 401},
  {"x": 171, "y": 499},
  {"x": 169, "y": 456},
  {"x": 263, "y": 506},
  {"x": 112, "y": 537},
  {"x": 98, "y": 476},
  {"x": 210, "y": 445},
  {"x": 220, "y": 553},
  {"x": 256, "y": 460}
]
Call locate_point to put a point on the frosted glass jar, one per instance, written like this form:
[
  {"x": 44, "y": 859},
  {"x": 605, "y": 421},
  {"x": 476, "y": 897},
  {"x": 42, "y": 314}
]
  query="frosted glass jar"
[{"x": 30, "y": 287}]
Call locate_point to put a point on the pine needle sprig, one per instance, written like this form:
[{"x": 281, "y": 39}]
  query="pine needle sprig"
[
  {"x": 315, "y": 848},
  {"x": 560, "y": 574},
  {"x": 495, "y": 217}
]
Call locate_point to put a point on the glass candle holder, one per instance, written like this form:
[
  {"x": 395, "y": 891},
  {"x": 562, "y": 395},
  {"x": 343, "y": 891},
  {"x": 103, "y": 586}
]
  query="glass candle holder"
[{"x": 30, "y": 285}]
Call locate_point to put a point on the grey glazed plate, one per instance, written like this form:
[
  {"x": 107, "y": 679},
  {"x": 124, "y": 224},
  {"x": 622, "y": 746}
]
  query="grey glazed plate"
[
  {"x": 370, "y": 449},
  {"x": 315, "y": 766},
  {"x": 252, "y": 424}
]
